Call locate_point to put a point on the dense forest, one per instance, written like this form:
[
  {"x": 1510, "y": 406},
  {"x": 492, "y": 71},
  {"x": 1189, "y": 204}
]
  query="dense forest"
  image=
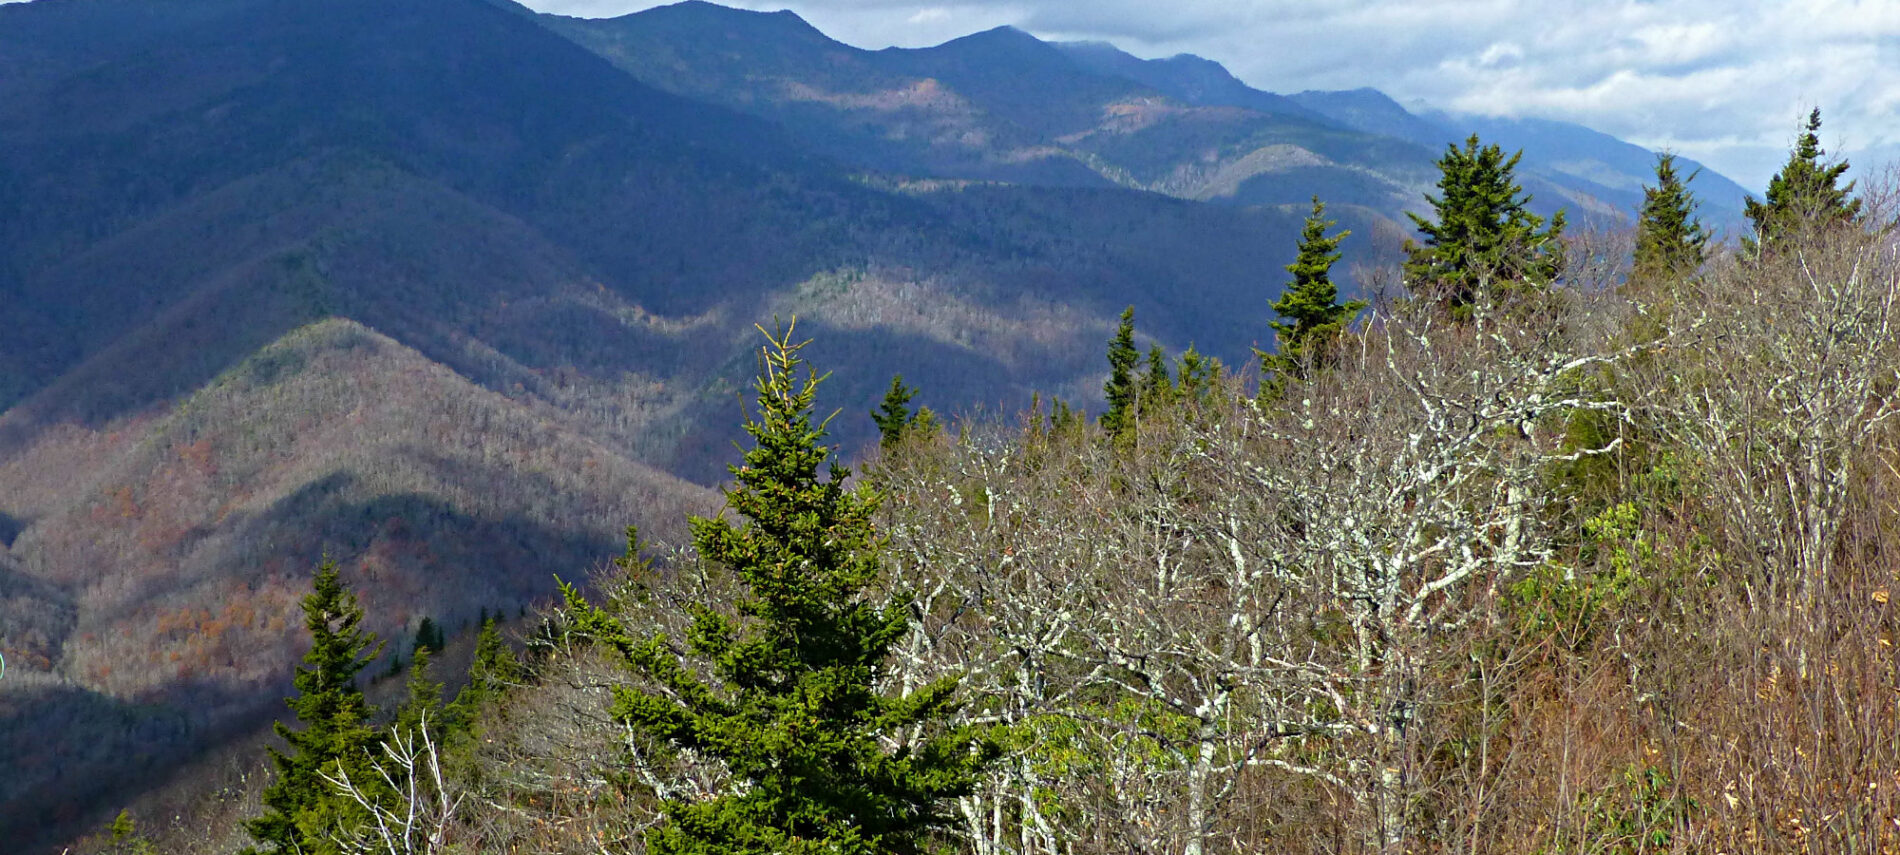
[{"x": 1575, "y": 544}]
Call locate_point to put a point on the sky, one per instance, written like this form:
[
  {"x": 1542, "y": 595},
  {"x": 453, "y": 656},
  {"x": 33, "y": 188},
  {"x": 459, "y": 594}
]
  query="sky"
[{"x": 1726, "y": 82}]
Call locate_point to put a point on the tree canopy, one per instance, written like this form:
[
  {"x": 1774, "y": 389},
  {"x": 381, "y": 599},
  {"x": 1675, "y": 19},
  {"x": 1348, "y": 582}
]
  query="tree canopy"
[
  {"x": 787, "y": 699},
  {"x": 1482, "y": 234},
  {"x": 1804, "y": 194},
  {"x": 1670, "y": 241},
  {"x": 1312, "y": 315}
]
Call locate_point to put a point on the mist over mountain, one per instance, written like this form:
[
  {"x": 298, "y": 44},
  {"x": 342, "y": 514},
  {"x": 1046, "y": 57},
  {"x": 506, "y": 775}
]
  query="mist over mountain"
[{"x": 451, "y": 293}]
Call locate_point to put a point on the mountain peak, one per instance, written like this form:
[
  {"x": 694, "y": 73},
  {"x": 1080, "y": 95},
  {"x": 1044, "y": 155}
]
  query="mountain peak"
[{"x": 699, "y": 13}]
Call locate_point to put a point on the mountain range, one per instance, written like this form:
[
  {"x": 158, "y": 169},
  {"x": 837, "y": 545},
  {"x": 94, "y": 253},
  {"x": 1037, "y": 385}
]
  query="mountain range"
[{"x": 450, "y": 293}]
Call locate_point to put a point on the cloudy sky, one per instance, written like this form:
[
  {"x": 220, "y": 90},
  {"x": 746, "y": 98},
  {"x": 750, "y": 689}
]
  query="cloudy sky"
[{"x": 1722, "y": 81}]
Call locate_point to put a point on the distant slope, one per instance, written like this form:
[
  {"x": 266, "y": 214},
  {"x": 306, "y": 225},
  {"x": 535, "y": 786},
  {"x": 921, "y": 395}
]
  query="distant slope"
[
  {"x": 171, "y": 552},
  {"x": 1002, "y": 105},
  {"x": 1567, "y": 163}
]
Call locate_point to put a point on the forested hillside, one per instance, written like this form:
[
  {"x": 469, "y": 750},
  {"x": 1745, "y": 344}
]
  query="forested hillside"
[
  {"x": 1605, "y": 567},
  {"x": 445, "y": 295}
]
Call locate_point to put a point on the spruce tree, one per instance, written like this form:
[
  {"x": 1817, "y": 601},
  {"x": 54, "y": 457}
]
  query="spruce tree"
[
  {"x": 1802, "y": 195},
  {"x": 1313, "y": 317},
  {"x": 423, "y": 706},
  {"x": 429, "y": 636},
  {"x": 1200, "y": 375},
  {"x": 1119, "y": 419},
  {"x": 1157, "y": 388},
  {"x": 126, "y": 839},
  {"x": 1670, "y": 243},
  {"x": 300, "y": 808},
  {"x": 782, "y": 686},
  {"x": 1482, "y": 233},
  {"x": 893, "y": 415},
  {"x": 490, "y": 673},
  {"x": 895, "y": 419}
]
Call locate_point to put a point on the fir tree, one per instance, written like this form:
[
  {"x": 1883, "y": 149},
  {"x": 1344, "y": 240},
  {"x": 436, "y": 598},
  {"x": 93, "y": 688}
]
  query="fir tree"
[
  {"x": 1313, "y": 317},
  {"x": 1199, "y": 375},
  {"x": 1482, "y": 233},
  {"x": 786, "y": 699},
  {"x": 423, "y": 706},
  {"x": 429, "y": 637},
  {"x": 1802, "y": 195},
  {"x": 1670, "y": 243},
  {"x": 491, "y": 672},
  {"x": 1157, "y": 388},
  {"x": 893, "y": 415},
  {"x": 300, "y": 808},
  {"x": 894, "y": 418},
  {"x": 126, "y": 839},
  {"x": 1119, "y": 419}
]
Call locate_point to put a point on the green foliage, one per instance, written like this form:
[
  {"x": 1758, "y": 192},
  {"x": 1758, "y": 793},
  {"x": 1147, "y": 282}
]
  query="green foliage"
[
  {"x": 1119, "y": 419},
  {"x": 126, "y": 839},
  {"x": 1157, "y": 387},
  {"x": 300, "y": 808},
  {"x": 1482, "y": 234},
  {"x": 1312, "y": 315},
  {"x": 1670, "y": 242},
  {"x": 423, "y": 706},
  {"x": 894, "y": 418},
  {"x": 786, "y": 696},
  {"x": 1803, "y": 195},
  {"x": 1641, "y": 813},
  {"x": 494, "y": 669},
  {"x": 1199, "y": 376},
  {"x": 428, "y": 637}
]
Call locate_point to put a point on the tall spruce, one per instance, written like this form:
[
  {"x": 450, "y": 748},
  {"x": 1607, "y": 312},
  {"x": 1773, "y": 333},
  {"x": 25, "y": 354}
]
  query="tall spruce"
[
  {"x": 785, "y": 690},
  {"x": 1671, "y": 243},
  {"x": 894, "y": 418},
  {"x": 893, "y": 414},
  {"x": 1119, "y": 419},
  {"x": 1312, "y": 315},
  {"x": 1482, "y": 234},
  {"x": 1157, "y": 387},
  {"x": 491, "y": 672},
  {"x": 301, "y": 810},
  {"x": 1804, "y": 194},
  {"x": 422, "y": 708}
]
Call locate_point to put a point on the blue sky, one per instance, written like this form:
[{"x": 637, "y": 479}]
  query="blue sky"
[{"x": 1723, "y": 81}]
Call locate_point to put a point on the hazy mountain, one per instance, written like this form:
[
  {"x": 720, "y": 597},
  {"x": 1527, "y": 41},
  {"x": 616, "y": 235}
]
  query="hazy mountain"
[
  {"x": 1565, "y": 163},
  {"x": 453, "y": 292},
  {"x": 1003, "y": 105},
  {"x": 426, "y": 287}
]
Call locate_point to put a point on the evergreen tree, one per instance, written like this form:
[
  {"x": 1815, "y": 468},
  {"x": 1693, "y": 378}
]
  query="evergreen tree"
[
  {"x": 1312, "y": 315},
  {"x": 1199, "y": 375},
  {"x": 1670, "y": 242},
  {"x": 894, "y": 418},
  {"x": 1802, "y": 195},
  {"x": 1119, "y": 419},
  {"x": 1157, "y": 388},
  {"x": 429, "y": 637},
  {"x": 424, "y": 702},
  {"x": 1482, "y": 234},
  {"x": 493, "y": 670},
  {"x": 126, "y": 839},
  {"x": 300, "y": 808},
  {"x": 787, "y": 697},
  {"x": 893, "y": 415}
]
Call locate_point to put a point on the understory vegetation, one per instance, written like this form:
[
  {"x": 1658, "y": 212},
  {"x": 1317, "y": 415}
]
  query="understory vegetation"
[{"x": 1530, "y": 560}]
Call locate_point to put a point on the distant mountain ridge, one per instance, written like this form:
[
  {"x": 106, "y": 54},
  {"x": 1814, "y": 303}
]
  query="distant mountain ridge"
[
  {"x": 453, "y": 292},
  {"x": 1003, "y": 105}
]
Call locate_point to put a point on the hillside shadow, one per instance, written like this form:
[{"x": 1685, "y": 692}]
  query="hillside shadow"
[
  {"x": 10, "y": 528},
  {"x": 70, "y": 751}
]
